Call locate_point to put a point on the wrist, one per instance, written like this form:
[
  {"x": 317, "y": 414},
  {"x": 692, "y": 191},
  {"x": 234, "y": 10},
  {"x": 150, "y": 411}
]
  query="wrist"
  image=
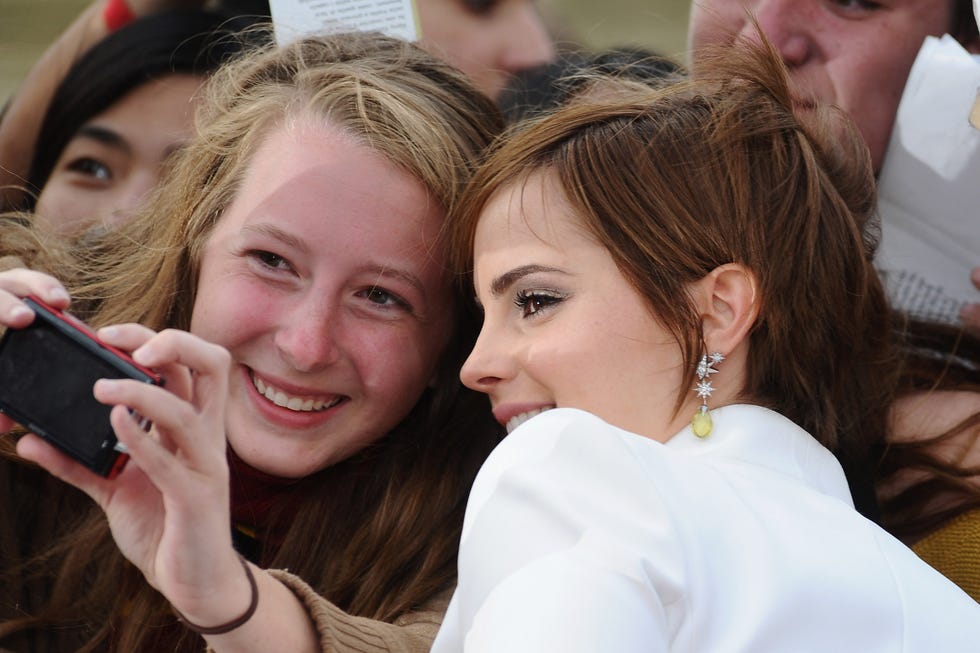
[{"x": 232, "y": 624}]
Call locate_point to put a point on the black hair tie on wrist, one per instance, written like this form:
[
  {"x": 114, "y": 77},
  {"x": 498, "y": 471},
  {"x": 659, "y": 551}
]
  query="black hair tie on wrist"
[{"x": 234, "y": 623}]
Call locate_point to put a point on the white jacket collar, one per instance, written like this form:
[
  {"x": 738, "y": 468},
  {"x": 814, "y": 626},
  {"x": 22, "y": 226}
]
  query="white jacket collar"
[{"x": 759, "y": 436}]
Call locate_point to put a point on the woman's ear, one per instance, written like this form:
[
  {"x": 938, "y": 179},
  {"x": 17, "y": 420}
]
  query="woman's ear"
[{"x": 729, "y": 304}]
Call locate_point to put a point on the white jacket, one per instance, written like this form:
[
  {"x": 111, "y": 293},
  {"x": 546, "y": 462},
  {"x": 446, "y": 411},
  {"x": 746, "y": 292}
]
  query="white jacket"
[{"x": 581, "y": 537}]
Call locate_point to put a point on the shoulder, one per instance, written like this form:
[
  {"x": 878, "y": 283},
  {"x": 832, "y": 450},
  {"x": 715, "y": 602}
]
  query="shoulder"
[
  {"x": 566, "y": 481},
  {"x": 560, "y": 450},
  {"x": 569, "y": 430}
]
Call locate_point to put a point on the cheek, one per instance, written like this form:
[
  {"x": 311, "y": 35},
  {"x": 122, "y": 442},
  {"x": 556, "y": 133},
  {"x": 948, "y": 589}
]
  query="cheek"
[
  {"x": 227, "y": 313},
  {"x": 871, "y": 107},
  {"x": 63, "y": 210},
  {"x": 394, "y": 375},
  {"x": 398, "y": 365},
  {"x": 558, "y": 361}
]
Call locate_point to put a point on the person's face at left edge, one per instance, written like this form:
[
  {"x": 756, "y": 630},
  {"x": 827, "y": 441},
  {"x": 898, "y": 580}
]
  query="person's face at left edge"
[
  {"x": 110, "y": 165},
  {"x": 489, "y": 40},
  {"x": 562, "y": 326},
  {"x": 324, "y": 281}
]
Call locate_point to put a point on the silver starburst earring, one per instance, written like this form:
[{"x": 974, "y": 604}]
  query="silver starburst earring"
[{"x": 701, "y": 422}]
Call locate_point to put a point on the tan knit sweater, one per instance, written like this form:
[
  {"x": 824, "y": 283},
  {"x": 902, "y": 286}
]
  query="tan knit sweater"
[
  {"x": 342, "y": 633},
  {"x": 954, "y": 550}
]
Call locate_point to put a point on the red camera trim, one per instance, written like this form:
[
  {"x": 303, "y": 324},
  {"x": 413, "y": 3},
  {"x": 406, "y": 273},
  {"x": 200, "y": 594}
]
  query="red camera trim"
[{"x": 87, "y": 331}]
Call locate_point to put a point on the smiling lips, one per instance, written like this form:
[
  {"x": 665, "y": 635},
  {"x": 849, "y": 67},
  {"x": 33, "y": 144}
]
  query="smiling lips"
[{"x": 302, "y": 404}]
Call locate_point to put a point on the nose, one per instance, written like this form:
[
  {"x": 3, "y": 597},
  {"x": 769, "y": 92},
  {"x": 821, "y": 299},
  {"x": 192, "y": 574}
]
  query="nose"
[
  {"x": 486, "y": 366},
  {"x": 786, "y": 24},
  {"x": 528, "y": 43},
  {"x": 308, "y": 336}
]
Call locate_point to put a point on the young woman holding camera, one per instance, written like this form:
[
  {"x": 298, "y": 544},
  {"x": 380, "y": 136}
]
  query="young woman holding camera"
[{"x": 287, "y": 282}]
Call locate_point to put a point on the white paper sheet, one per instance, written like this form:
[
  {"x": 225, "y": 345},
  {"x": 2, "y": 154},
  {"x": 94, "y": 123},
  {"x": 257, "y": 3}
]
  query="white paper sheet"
[
  {"x": 296, "y": 18},
  {"x": 929, "y": 187}
]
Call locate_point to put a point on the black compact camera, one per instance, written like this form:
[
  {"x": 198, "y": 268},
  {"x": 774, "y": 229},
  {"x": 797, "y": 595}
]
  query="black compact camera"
[{"x": 47, "y": 370}]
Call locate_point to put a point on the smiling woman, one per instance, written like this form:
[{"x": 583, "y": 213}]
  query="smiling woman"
[
  {"x": 288, "y": 298},
  {"x": 310, "y": 337},
  {"x": 681, "y": 324}
]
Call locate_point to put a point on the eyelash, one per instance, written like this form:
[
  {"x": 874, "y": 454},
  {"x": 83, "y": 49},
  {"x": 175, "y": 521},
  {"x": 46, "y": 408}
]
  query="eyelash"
[
  {"x": 275, "y": 262},
  {"x": 85, "y": 166},
  {"x": 863, "y": 5},
  {"x": 269, "y": 259},
  {"x": 532, "y": 302},
  {"x": 396, "y": 300}
]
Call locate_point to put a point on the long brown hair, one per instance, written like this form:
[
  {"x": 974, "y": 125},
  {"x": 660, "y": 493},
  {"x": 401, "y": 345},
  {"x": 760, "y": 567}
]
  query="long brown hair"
[
  {"x": 730, "y": 166},
  {"x": 920, "y": 487},
  {"x": 377, "y": 534}
]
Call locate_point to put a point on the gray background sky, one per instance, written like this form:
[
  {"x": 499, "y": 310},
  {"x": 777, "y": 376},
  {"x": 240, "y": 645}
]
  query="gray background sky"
[{"x": 27, "y": 26}]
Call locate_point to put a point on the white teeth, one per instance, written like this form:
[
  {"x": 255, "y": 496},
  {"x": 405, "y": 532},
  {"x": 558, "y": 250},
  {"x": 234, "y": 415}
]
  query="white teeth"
[
  {"x": 517, "y": 420},
  {"x": 299, "y": 404}
]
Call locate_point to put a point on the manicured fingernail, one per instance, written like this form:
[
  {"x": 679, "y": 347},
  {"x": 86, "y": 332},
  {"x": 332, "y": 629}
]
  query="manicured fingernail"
[{"x": 108, "y": 332}]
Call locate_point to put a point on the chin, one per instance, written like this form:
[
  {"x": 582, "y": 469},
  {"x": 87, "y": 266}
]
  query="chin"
[{"x": 282, "y": 465}]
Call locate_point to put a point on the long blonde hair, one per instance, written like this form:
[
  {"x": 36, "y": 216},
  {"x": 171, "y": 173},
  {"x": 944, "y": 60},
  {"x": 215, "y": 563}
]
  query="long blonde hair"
[{"x": 376, "y": 534}]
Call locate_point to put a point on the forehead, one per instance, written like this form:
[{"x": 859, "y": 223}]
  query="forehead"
[
  {"x": 170, "y": 97},
  {"x": 531, "y": 222},
  {"x": 533, "y": 207},
  {"x": 315, "y": 178},
  {"x": 158, "y": 113}
]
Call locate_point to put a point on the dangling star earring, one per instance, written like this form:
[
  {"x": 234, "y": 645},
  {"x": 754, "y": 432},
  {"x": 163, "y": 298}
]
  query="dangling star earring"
[{"x": 701, "y": 422}]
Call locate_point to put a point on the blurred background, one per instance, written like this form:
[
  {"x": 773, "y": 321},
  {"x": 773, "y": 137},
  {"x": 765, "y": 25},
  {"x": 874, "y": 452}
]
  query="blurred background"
[{"x": 28, "y": 26}]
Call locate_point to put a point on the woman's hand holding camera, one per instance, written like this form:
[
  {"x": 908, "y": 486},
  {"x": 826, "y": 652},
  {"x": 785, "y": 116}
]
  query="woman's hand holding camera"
[{"x": 169, "y": 507}]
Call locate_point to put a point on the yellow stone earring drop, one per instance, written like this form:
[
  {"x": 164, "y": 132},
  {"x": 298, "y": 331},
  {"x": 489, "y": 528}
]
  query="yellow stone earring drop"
[{"x": 701, "y": 422}]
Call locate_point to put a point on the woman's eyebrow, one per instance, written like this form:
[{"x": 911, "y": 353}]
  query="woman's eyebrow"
[
  {"x": 500, "y": 285},
  {"x": 104, "y": 136}
]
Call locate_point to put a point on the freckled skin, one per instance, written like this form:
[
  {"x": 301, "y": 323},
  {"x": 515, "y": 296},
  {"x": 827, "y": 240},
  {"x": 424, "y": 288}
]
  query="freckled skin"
[{"x": 307, "y": 280}]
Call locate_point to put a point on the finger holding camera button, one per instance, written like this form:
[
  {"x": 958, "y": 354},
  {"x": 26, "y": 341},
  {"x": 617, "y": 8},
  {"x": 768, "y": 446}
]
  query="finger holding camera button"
[
  {"x": 193, "y": 553},
  {"x": 188, "y": 412},
  {"x": 191, "y": 533},
  {"x": 132, "y": 337},
  {"x": 209, "y": 364}
]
